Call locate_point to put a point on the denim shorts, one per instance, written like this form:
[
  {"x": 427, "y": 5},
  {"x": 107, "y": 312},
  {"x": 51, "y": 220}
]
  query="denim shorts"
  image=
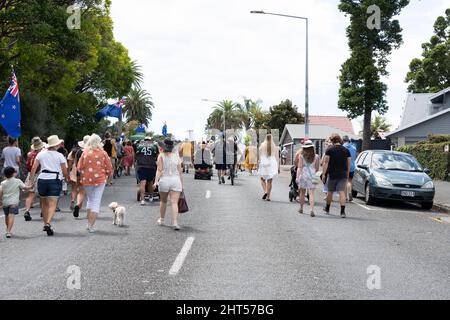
[
  {"x": 146, "y": 174},
  {"x": 11, "y": 210},
  {"x": 49, "y": 188}
]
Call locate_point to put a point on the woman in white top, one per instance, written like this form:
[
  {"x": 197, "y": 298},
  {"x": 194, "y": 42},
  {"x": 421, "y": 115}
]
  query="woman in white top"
[
  {"x": 53, "y": 170},
  {"x": 169, "y": 180},
  {"x": 268, "y": 165}
]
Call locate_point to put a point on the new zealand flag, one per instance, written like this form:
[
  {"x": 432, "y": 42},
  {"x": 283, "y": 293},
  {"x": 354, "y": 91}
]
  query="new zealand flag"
[{"x": 10, "y": 109}]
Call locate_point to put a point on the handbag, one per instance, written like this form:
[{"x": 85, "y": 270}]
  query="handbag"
[{"x": 182, "y": 204}]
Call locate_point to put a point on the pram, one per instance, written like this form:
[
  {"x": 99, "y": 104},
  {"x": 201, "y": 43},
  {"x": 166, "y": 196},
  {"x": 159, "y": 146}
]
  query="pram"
[
  {"x": 202, "y": 165},
  {"x": 293, "y": 193},
  {"x": 203, "y": 172}
]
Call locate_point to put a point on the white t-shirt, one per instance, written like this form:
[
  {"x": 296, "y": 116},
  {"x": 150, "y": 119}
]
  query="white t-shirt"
[
  {"x": 11, "y": 191},
  {"x": 51, "y": 161}
]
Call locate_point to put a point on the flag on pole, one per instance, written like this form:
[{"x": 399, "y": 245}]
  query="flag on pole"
[
  {"x": 164, "y": 130},
  {"x": 10, "y": 109},
  {"x": 112, "y": 110}
]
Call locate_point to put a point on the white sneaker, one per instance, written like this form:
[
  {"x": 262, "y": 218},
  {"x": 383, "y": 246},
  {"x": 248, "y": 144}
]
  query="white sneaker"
[
  {"x": 160, "y": 222},
  {"x": 143, "y": 203},
  {"x": 91, "y": 229},
  {"x": 176, "y": 227}
]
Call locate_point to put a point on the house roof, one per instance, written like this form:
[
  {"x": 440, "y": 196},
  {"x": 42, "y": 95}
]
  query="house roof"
[
  {"x": 436, "y": 115},
  {"x": 316, "y": 132},
  {"x": 416, "y": 108},
  {"x": 338, "y": 122},
  {"x": 438, "y": 97}
]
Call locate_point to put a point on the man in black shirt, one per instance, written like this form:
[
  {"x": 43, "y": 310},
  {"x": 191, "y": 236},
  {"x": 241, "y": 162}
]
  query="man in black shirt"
[{"x": 336, "y": 172}]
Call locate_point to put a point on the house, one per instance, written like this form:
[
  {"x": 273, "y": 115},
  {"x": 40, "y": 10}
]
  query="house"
[
  {"x": 294, "y": 134},
  {"x": 424, "y": 114}
]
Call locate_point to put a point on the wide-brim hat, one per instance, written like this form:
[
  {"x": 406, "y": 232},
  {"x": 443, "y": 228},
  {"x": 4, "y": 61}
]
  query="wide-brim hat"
[
  {"x": 308, "y": 144},
  {"x": 37, "y": 144},
  {"x": 83, "y": 144},
  {"x": 54, "y": 141}
]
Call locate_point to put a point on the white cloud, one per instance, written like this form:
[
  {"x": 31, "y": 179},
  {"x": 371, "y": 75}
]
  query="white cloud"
[{"x": 197, "y": 49}]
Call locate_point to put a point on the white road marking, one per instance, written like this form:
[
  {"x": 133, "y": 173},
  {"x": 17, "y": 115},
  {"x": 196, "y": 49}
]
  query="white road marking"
[
  {"x": 145, "y": 281},
  {"x": 149, "y": 293},
  {"x": 208, "y": 194},
  {"x": 161, "y": 271},
  {"x": 363, "y": 206},
  {"x": 181, "y": 257}
]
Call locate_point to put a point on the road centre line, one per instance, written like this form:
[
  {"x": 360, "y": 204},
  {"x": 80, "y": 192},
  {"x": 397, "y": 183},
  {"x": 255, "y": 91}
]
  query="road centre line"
[{"x": 176, "y": 267}]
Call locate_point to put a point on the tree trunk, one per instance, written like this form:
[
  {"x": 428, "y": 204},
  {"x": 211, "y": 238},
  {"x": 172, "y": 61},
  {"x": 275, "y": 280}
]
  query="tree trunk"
[{"x": 367, "y": 132}]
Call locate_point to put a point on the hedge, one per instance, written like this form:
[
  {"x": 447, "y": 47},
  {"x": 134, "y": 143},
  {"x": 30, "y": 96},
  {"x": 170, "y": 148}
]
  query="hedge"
[{"x": 431, "y": 156}]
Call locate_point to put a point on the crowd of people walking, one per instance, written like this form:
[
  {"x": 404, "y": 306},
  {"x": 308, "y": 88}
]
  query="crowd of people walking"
[{"x": 93, "y": 163}]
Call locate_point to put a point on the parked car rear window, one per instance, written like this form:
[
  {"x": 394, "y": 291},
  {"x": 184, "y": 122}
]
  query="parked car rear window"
[{"x": 391, "y": 161}]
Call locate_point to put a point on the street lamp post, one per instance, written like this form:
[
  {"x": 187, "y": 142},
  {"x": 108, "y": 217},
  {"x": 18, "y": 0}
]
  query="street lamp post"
[
  {"x": 224, "y": 119},
  {"x": 307, "y": 63}
]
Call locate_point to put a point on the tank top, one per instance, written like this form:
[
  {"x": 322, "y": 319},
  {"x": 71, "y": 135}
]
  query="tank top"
[{"x": 170, "y": 165}]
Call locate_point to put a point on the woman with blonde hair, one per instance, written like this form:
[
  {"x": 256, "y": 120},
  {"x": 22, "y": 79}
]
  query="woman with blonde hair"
[
  {"x": 268, "y": 165},
  {"x": 307, "y": 180},
  {"x": 95, "y": 169}
]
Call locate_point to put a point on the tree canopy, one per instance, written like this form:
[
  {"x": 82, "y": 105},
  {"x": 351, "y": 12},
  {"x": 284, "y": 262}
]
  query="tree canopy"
[
  {"x": 361, "y": 89},
  {"x": 64, "y": 75},
  {"x": 431, "y": 73}
]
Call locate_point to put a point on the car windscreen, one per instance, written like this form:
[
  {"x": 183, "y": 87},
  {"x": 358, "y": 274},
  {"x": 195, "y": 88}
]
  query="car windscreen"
[{"x": 391, "y": 161}]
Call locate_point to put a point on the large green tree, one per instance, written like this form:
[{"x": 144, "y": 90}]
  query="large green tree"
[
  {"x": 64, "y": 75},
  {"x": 281, "y": 115},
  {"x": 233, "y": 116},
  {"x": 431, "y": 73},
  {"x": 361, "y": 89}
]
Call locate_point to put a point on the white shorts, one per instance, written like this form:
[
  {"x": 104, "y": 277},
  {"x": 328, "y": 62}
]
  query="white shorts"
[
  {"x": 167, "y": 184},
  {"x": 94, "y": 196}
]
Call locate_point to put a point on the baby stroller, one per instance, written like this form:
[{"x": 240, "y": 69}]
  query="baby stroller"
[
  {"x": 155, "y": 195},
  {"x": 293, "y": 193}
]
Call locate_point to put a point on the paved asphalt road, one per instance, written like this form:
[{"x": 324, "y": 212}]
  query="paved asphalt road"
[{"x": 235, "y": 247}]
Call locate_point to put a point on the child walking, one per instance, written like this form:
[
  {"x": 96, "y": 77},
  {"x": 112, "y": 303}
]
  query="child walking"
[
  {"x": 10, "y": 195},
  {"x": 307, "y": 179}
]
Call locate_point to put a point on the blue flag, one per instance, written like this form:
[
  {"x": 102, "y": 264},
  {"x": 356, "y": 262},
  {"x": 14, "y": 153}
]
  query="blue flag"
[
  {"x": 112, "y": 110},
  {"x": 140, "y": 129},
  {"x": 10, "y": 109},
  {"x": 164, "y": 130}
]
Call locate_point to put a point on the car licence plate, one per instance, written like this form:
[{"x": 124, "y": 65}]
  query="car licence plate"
[{"x": 409, "y": 194}]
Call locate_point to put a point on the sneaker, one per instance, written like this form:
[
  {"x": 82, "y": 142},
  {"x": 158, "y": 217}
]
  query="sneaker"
[
  {"x": 8, "y": 236},
  {"x": 223, "y": 180},
  {"x": 27, "y": 216},
  {"x": 300, "y": 211},
  {"x": 58, "y": 210},
  {"x": 91, "y": 229},
  {"x": 160, "y": 222},
  {"x": 143, "y": 203},
  {"x": 76, "y": 211},
  {"x": 176, "y": 227},
  {"x": 343, "y": 215},
  {"x": 313, "y": 214}
]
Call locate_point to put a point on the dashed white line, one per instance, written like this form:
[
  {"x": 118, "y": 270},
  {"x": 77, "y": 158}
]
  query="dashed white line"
[
  {"x": 208, "y": 194},
  {"x": 176, "y": 267}
]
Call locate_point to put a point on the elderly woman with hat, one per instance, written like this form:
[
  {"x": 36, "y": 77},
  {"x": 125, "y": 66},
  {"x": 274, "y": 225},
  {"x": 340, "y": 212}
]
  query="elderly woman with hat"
[
  {"x": 53, "y": 170},
  {"x": 36, "y": 146},
  {"x": 169, "y": 180},
  {"x": 307, "y": 179}
]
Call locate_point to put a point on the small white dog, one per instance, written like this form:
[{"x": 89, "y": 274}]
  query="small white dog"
[{"x": 119, "y": 214}]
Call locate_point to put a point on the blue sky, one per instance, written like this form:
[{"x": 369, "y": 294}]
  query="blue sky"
[{"x": 196, "y": 49}]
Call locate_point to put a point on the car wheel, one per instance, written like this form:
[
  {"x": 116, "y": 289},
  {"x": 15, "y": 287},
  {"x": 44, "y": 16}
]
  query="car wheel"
[
  {"x": 427, "y": 205},
  {"x": 368, "y": 198}
]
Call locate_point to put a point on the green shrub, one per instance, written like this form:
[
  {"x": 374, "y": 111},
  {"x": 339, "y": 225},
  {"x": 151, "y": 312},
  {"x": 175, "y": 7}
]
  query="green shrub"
[{"x": 431, "y": 156}]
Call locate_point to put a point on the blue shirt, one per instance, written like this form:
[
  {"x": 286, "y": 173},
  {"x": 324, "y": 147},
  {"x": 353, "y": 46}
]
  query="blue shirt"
[{"x": 352, "y": 151}]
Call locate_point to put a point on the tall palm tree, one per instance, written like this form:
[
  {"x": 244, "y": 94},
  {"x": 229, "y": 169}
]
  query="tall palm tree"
[
  {"x": 233, "y": 116},
  {"x": 379, "y": 125},
  {"x": 138, "y": 106},
  {"x": 250, "y": 110},
  {"x": 138, "y": 76}
]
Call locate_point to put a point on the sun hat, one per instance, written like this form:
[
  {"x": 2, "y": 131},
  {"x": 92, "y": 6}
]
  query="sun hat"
[
  {"x": 148, "y": 138},
  {"x": 83, "y": 144},
  {"x": 307, "y": 144},
  {"x": 53, "y": 141},
  {"x": 37, "y": 144}
]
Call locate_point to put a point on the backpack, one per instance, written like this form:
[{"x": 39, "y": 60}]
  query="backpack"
[{"x": 31, "y": 157}]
